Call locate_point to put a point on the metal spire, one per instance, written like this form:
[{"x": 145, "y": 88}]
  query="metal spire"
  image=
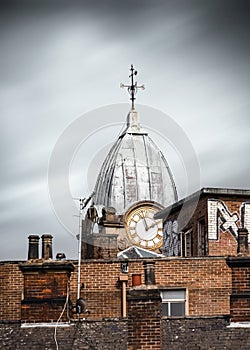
[{"x": 133, "y": 88}]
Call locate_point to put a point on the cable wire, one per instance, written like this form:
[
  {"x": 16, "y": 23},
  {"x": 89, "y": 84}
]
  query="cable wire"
[{"x": 57, "y": 322}]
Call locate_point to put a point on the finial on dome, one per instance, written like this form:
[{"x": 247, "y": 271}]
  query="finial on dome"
[{"x": 133, "y": 88}]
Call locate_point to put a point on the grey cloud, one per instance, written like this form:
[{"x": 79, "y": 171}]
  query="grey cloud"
[{"x": 62, "y": 58}]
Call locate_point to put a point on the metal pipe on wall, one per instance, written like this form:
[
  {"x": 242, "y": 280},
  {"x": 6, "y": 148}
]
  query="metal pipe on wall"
[{"x": 124, "y": 280}]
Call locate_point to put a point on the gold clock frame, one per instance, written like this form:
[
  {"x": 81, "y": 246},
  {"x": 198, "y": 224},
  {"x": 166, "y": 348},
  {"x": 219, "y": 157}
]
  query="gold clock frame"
[{"x": 140, "y": 212}]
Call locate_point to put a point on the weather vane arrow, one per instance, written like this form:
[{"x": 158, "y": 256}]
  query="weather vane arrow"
[{"x": 133, "y": 87}]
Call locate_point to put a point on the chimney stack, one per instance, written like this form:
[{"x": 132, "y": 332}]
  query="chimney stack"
[
  {"x": 149, "y": 272},
  {"x": 242, "y": 248},
  {"x": 33, "y": 252},
  {"x": 47, "y": 246}
]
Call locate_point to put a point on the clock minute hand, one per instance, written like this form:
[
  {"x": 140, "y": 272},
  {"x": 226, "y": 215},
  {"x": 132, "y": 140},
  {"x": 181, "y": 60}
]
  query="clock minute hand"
[{"x": 153, "y": 225}]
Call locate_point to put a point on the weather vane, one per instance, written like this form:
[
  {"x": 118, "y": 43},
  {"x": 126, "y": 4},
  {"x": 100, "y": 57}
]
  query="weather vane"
[{"x": 133, "y": 88}]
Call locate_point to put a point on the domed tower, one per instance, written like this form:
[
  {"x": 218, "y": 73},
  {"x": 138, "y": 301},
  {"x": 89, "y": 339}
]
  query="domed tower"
[
  {"x": 133, "y": 184},
  {"x": 134, "y": 170}
]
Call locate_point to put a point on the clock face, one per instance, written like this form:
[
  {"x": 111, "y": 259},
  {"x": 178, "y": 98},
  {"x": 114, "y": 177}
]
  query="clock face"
[{"x": 142, "y": 229}]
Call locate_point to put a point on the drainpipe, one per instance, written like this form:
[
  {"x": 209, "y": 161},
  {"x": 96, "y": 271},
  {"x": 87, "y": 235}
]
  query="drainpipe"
[{"x": 124, "y": 280}]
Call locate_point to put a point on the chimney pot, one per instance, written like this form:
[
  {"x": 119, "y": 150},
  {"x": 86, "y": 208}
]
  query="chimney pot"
[
  {"x": 33, "y": 252},
  {"x": 242, "y": 248},
  {"x": 47, "y": 246},
  {"x": 149, "y": 272}
]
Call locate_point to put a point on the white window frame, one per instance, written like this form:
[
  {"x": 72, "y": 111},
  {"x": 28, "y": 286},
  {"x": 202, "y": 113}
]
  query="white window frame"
[{"x": 172, "y": 300}]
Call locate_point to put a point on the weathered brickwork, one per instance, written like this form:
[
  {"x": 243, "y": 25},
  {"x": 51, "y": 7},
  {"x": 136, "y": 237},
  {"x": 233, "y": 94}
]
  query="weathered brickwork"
[
  {"x": 101, "y": 335},
  {"x": 226, "y": 244},
  {"x": 144, "y": 319},
  {"x": 240, "y": 308},
  {"x": 86, "y": 335},
  {"x": 11, "y": 291},
  {"x": 207, "y": 280},
  {"x": 241, "y": 279},
  {"x": 215, "y": 286},
  {"x": 216, "y": 242},
  {"x": 100, "y": 287},
  {"x": 46, "y": 285},
  {"x": 240, "y": 297},
  {"x": 203, "y": 334},
  {"x": 177, "y": 334}
]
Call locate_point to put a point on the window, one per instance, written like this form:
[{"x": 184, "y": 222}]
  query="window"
[
  {"x": 174, "y": 302},
  {"x": 202, "y": 238},
  {"x": 186, "y": 243}
]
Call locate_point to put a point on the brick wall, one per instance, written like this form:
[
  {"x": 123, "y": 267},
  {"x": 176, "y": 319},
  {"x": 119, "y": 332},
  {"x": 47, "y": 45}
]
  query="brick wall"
[
  {"x": 144, "y": 319},
  {"x": 11, "y": 291},
  {"x": 209, "y": 287},
  {"x": 240, "y": 297},
  {"x": 208, "y": 282},
  {"x": 226, "y": 243},
  {"x": 102, "y": 290},
  {"x": 44, "y": 296},
  {"x": 46, "y": 285}
]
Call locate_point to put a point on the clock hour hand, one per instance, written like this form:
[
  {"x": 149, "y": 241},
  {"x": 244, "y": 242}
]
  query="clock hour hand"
[{"x": 145, "y": 222}]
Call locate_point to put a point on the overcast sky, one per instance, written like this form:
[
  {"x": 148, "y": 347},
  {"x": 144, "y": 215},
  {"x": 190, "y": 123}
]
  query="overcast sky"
[{"x": 62, "y": 59}]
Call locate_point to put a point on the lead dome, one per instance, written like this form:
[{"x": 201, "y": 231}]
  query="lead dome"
[{"x": 134, "y": 170}]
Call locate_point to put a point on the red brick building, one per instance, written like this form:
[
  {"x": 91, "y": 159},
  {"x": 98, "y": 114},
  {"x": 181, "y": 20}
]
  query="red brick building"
[
  {"x": 147, "y": 277},
  {"x": 206, "y": 223},
  {"x": 140, "y": 303}
]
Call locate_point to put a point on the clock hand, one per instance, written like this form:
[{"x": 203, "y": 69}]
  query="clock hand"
[
  {"x": 153, "y": 225},
  {"x": 145, "y": 222}
]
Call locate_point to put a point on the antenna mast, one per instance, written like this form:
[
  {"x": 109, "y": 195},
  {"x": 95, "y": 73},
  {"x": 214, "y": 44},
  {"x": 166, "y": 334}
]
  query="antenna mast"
[{"x": 82, "y": 204}]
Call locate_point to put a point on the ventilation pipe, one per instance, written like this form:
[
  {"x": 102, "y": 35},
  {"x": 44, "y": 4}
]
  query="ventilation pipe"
[
  {"x": 33, "y": 252},
  {"x": 149, "y": 272},
  {"x": 47, "y": 246}
]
